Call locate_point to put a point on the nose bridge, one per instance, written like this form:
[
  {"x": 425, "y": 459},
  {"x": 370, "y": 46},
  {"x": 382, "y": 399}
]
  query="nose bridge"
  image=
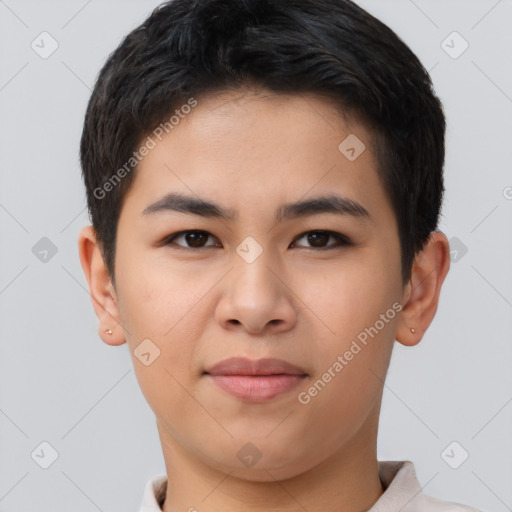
[{"x": 252, "y": 272}]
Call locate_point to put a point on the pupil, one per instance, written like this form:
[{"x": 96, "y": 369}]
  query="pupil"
[
  {"x": 194, "y": 239},
  {"x": 315, "y": 237}
]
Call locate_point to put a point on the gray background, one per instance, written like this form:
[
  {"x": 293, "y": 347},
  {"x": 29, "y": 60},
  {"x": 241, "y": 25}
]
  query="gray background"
[{"x": 61, "y": 384}]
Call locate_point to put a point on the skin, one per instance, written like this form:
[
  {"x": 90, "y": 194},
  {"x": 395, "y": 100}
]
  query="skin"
[{"x": 253, "y": 152}]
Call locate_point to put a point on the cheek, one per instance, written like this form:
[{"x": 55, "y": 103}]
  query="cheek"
[
  {"x": 169, "y": 305},
  {"x": 156, "y": 297},
  {"x": 348, "y": 296},
  {"x": 162, "y": 307},
  {"x": 356, "y": 321}
]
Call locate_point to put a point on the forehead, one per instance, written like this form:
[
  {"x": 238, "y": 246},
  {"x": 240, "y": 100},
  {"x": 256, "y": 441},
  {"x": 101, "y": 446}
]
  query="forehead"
[
  {"x": 251, "y": 148},
  {"x": 254, "y": 111}
]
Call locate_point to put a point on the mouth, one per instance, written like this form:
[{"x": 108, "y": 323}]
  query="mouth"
[{"x": 255, "y": 381}]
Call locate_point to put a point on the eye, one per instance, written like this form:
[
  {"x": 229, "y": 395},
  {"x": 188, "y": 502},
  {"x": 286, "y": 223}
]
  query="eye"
[
  {"x": 195, "y": 239},
  {"x": 319, "y": 238}
]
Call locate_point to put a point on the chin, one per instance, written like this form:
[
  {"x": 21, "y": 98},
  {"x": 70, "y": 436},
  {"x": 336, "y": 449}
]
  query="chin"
[
  {"x": 265, "y": 472},
  {"x": 263, "y": 468}
]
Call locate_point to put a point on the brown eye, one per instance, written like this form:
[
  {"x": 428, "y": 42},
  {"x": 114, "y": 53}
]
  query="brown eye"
[
  {"x": 318, "y": 239},
  {"x": 193, "y": 239}
]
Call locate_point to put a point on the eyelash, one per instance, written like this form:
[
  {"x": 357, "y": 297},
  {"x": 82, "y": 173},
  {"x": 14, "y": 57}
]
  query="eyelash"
[{"x": 342, "y": 240}]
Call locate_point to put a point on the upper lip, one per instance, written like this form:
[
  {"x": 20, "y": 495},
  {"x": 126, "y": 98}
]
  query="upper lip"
[{"x": 244, "y": 366}]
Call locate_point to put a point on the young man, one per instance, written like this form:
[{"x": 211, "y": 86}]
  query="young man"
[{"x": 264, "y": 181}]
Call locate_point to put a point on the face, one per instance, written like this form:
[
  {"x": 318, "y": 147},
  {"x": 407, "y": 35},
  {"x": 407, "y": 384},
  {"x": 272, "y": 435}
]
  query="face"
[{"x": 283, "y": 247}]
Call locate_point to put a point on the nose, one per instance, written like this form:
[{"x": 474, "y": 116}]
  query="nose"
[{"x": 256, "y": 299}]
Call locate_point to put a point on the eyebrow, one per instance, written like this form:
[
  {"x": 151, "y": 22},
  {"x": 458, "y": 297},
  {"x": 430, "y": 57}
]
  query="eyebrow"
[{"x": 325, "y": 204}]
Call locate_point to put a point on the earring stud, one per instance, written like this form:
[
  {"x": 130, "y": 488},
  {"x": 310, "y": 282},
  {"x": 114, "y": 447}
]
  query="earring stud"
[
  {"x": 413, "y": 330},
  {"x": 108, "y": 331}
]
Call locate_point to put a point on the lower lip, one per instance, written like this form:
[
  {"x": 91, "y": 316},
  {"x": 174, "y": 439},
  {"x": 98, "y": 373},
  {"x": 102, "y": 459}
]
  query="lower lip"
[{"x": 256, "y": 388}]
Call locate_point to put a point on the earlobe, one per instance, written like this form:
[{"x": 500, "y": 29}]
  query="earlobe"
[
  {"x": 102, "y": 293},
  {"x": 421, "y": 294}
]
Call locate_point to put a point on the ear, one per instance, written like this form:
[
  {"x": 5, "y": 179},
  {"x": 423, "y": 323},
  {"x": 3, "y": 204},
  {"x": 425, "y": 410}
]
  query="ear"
[
  {"x": 421, "y": 294},
  {"x": 102, "y": 292}
]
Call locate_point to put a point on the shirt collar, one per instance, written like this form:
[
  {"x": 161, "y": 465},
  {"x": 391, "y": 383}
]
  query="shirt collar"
[{"x": 154, "y": 494}]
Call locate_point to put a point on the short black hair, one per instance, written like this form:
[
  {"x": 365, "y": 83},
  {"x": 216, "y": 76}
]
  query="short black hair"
[{"x": 334, "y": 48}]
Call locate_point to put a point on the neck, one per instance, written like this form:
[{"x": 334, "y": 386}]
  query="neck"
[{"x": 348, "y": 480}]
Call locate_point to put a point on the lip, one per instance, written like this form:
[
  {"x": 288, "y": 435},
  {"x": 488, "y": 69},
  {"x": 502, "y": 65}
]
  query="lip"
[
  {"x": 255, "y": 381},
  {"x": 244, "y": 366}
]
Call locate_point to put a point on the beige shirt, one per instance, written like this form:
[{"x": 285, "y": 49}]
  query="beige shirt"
[{"x": 402, "y": 492}]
